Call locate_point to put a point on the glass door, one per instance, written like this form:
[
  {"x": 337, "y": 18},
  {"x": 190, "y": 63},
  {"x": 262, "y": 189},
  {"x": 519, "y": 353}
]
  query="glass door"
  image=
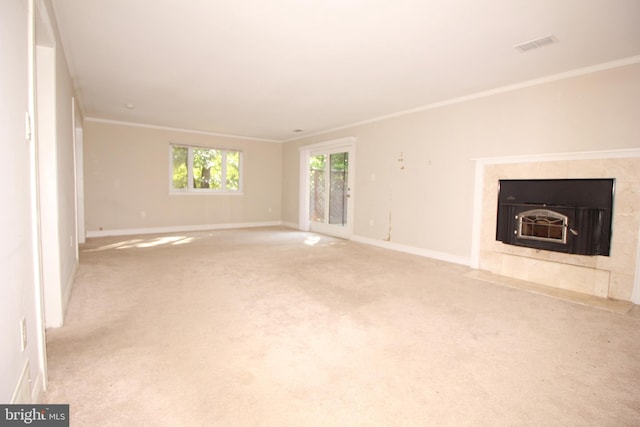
[{"x": 330, "y": 193}]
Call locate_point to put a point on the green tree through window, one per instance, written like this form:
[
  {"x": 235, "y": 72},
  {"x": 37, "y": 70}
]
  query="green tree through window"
[
  {"x": 201, "y": 168},
  {"x": 179, "y": 155}
]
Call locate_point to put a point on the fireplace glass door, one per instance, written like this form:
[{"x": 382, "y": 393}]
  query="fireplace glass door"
[{"x": 543, "y": 224}]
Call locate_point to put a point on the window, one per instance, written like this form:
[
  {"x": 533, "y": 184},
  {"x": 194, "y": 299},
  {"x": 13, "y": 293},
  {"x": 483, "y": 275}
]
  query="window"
[{"x": 203, "y": 169}]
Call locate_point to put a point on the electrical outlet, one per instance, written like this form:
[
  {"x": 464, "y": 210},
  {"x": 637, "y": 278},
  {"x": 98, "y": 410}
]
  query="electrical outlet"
[{"x": 23, "y": 333}]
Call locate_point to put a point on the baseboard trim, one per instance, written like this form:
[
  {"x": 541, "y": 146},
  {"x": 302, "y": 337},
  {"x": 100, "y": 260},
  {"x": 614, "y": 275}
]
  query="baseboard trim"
[
  {"x": 37, "y": 394},
  {"x": 180, "y": 228},
  {"x": 66, "y": 296},
  {"x": 22, "y": 392},
  {"x": 293, "y": 225},
  {"x": 427, "y": 253}
]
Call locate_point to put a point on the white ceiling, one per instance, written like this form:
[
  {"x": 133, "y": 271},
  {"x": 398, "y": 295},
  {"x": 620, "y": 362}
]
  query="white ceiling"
[{"x": 264, "y": 68}]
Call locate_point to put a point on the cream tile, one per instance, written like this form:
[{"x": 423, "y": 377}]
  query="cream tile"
[
  {"x": 490, "y": 261},
  {"x": 571, "y": 259},
  {"x": 520, "y": 267},
  {"x": 552, "y": 170},
  {"x": 621, "y": 286},
  {"x": 601, "y": 287},
  {"x": 627, "y": 198},
  {"x": 624, "y": 244},
  {"x": 616, "y": 306},
  {"x": 488, "y": 239},
  {"x": 525, "y": 171},
  {"x": 563, "y": 276},
  {"x": 585, "y": 169},
  {"x": 572, "y": 278},
  {"x": 516, "y": 170},
  {"x": 491, "y": 174},
  {"x": 624, "y": 170}
]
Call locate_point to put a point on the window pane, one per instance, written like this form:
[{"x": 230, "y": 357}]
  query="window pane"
[
  {"x": 207, "y": 168},
  {"x": 316, "y": 188},
  {"x": 338, "y": 188},
  {"x": 179, "y": 172},
  {"x": 233, "y": 170}
]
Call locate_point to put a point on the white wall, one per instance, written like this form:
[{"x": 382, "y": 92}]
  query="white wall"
[
  {"x": 427, "y": 204},
  {"x": 18, "y": 279}
]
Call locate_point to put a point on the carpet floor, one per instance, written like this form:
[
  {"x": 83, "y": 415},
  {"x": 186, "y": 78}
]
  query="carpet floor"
[{"x": 277, "y": 327}]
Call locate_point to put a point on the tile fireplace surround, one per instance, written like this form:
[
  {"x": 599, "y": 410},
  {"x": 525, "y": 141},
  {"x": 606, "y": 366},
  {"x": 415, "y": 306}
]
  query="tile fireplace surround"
[{"x": 602, "y": 276}]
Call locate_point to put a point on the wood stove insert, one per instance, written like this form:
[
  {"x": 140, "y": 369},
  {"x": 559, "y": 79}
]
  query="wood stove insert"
[{"x": 563, "y": 215}]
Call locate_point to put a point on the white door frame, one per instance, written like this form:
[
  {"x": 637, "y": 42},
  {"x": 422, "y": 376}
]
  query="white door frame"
[
  {"x": 37, "y": 19},
  {"x": 347, "y": 144},
  {"x": 48, "y": 184},
  {"x": 78, "y": 174}
]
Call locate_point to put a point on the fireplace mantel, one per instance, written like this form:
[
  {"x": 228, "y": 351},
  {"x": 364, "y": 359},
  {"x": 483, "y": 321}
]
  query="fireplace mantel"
[{"x": 611, "y": 276}]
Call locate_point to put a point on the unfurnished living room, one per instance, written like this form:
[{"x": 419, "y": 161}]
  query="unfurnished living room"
[{"x": 320, "y": 212}]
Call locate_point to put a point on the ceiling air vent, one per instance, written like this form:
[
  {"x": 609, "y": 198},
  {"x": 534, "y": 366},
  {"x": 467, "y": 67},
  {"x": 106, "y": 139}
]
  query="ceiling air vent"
[{"x": 533, "y": 44}]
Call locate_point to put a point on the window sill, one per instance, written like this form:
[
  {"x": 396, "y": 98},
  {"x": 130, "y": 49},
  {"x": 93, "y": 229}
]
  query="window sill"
[{"x": 206, "y": 193}]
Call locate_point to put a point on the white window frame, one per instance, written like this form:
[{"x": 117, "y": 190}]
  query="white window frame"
[{"x": 190, "y": 190}]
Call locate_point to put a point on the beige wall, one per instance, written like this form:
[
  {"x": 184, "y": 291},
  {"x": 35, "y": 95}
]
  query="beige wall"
[
  {"x": 428, "y": 204},
  {"x": 65, "y": 173},
  {"x": 126, "y": 178}
]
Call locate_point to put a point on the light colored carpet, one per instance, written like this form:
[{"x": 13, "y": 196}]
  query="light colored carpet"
[{"x": 275, "y": 327}]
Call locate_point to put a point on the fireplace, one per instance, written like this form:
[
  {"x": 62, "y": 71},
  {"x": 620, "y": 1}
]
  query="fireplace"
[{"x": 562, "y": 215}]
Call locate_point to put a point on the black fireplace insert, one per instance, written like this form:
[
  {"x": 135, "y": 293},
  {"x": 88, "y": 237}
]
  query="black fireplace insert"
[{"x": 563, "y": 215}]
